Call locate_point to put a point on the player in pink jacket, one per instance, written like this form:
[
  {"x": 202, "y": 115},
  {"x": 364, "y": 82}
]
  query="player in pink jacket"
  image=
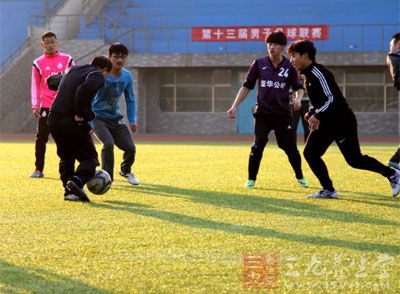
[{"x": 51, "y": 62}]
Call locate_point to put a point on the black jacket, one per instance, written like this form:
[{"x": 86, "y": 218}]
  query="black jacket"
[
  {"x": 394, "y": 59},
  {"x": 326, "y": 98},
  {"x": 76, "y": 90}
]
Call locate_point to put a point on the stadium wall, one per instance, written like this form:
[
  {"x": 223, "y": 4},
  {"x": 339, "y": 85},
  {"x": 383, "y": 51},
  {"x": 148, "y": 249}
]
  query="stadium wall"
[
  {"x": 18, "y": 14},
  {"x": 15, "y": 104},
  {"x": 153, "y": 120},
  {"x": 165, "y": 26},
  {"x": 163, "y": 40},
  {"x": 15, "y": 83},
  {"x": 158, "y": 34}
]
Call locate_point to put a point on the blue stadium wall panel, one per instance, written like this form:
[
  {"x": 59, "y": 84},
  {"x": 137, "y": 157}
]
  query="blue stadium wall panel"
[
  {"x": 162, "y": 26},
  {"x": 165, "y": 26},
  {"x": 15, "y": 18},
  {"x": 14, "y": 22}
]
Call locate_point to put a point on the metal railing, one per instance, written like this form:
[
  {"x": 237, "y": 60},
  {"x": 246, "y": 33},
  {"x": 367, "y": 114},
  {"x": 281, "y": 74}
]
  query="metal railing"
[
  {"x": 342, "y": 38},
  {"x": 166, "y": 40},
  {"x": 17, "y": 52},
  {"x": 128, "y": 35},
  {"x": 49, "y": 11},
  {"x": 161, "y": 39},
  {"x": 151, "y": 36}
]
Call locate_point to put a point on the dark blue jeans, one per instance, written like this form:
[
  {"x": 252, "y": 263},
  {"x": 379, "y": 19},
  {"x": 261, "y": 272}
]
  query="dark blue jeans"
[{"x": 116, "y": 133}]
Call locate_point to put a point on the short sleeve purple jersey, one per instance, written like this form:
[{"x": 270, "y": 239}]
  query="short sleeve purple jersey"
[{"x": 273, "y": 84}]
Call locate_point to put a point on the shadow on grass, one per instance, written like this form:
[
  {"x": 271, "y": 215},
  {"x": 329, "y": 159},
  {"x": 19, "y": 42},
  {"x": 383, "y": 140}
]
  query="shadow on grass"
[
  {"x": 312, "y": 189},
  {"x": 17, "y": 279},
  {"x": 394, "y": 205},
  {"x": 257, "y": 203},
  {"x": 201, "y": 223},
  {"x": 50, "y": 179},
  {"x": 377, "y": 196}
]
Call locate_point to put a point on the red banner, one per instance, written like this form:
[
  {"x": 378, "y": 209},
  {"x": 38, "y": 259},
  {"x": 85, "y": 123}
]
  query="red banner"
[{"x": 258, "y": 33}]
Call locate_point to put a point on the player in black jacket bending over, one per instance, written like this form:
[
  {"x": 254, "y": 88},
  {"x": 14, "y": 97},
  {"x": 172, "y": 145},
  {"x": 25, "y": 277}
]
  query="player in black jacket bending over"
[
  {"x": 68, "y": 124},
  {"x": 331, "y": 119}
]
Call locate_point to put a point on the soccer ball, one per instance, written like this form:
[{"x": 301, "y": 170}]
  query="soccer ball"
[{"x": 100, "y": 183}]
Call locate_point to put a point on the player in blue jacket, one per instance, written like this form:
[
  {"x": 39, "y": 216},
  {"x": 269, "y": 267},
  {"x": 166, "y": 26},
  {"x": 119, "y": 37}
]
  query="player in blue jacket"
[{"x": 108, "y": 124}]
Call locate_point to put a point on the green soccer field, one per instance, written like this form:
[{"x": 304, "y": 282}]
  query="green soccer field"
[{"x": 190, "y": 227}]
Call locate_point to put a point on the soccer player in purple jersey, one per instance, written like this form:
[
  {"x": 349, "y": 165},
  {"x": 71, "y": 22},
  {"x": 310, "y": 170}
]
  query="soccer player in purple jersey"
[
  {"x": 331, "y": 119},
  {"x": 275, "y": 76}
]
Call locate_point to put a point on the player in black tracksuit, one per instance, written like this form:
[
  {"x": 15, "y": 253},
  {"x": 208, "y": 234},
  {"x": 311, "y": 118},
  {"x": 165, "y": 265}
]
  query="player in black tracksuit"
[
  {"x": 68, "y": 124},
  {"x": 393, "y": 62},
  {"x": 331, "y": 119}
]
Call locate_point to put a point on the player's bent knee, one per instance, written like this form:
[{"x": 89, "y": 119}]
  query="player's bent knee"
[
  {"x": 256, "y": 149},
  {"x": 308, "y": 154},
  {"x": 42, "y": 138},
  {"x": 131, "y": 150},
  {"x": 260, "y": 145},
  {"x": 354, "y": 162},
  {"x": 107, "y": 150},
  {"x": 108, "y": 146}
]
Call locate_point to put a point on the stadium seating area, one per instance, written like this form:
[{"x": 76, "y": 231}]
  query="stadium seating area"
[
  {"x": 358, "y": 34},
  {"x": 165, "y": 26},
  {"x": 15, "y": 19}
]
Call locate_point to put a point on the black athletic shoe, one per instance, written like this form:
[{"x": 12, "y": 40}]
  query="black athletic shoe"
[{"x": 78, "y": 191}]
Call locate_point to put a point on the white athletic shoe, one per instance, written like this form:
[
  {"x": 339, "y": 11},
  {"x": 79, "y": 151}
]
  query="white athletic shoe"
[
  {"x": 71, "y": 197},
  {"x": 324, "y": 194},
  {"x": 131, "y": 178},
  {"x": 395, "y": 183},
  {"x": 37, "y": 174}
]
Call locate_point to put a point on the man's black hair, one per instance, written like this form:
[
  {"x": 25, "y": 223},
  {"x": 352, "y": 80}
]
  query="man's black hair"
[
  {"x": 277, "y": 38},
  {"x": 102, "y": 62},
  {"x": 396, "y": 37},
  {"x": 301, "y": 47},
  {"x": 117, "y": 48},
  {"x": 48, "y": 35}
]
